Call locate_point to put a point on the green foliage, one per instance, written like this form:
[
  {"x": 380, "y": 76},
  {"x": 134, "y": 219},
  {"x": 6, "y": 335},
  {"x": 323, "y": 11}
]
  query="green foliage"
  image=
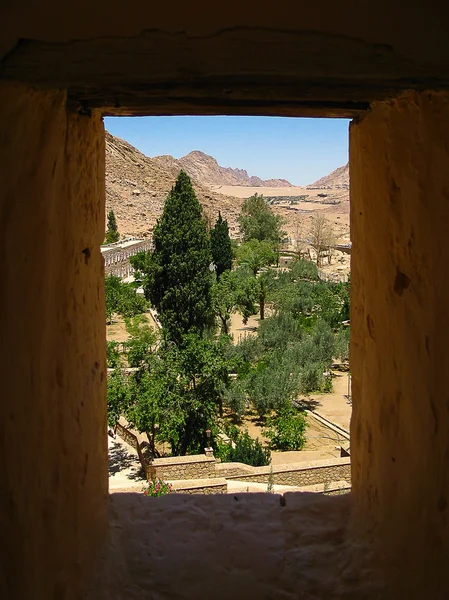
[
  {"x": 245, "y": 450},
  {"x": 112, "y": 355},
  {"x": 256, "y": 255},
  {"x": 177, "y": 277},
  {"x": 121, "y": 298},
  {"x": 112, "y": 234},
  {"x": 178, "y": 396},
  {"x": 118, "y": 395},
  {"x": 140, "y": 264},
  {"x": 342, "y": 344},
  {"x": 303, "y": 269},
  {"x": 158, "y": 487},
  {"x": 142, "y": 340},
  {"x": 235, "y": 290},
  {"x": 280, "y": 363},
  {"x": 331, "y": 302},
  {"x": 258, "y": 222},
  {"x": 286, "y": 430},
  {"x": 221, "y": 246}
]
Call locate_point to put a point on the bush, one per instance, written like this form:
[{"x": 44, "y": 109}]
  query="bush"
[
  {"x": 244, "y": 450},
  {"x": 112, "y": 355},
  {"x": 158, "y": 487},
  {"x": 286, "y": 431}
]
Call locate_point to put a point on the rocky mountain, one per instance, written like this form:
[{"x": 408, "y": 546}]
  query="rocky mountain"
[
  {"x": 338, "y": 179},
  {"x": 136, "y": 188},
  {"x": 206, "y": 170}
]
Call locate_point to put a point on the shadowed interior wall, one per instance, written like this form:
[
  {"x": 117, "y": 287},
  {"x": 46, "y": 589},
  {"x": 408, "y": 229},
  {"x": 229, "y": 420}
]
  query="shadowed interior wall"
[
  {"x": 52, "y": 349},
  {"x": 399, "y": 157}
]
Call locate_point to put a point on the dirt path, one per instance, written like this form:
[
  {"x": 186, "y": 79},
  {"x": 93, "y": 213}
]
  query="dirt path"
[
  {"x": 335, "y": 406},
  {"x": 125, "y": 470}
]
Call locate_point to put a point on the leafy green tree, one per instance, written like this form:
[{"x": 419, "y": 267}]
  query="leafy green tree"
[
  {"x": 118, "y": 396},
  {"x": 342, "y": 344},
  {"x": 121, "y": 298},
  {"x": 142, "y": 341},
  {"x": 235, "y": 290},
  {"x": 112, "y": 355},
  {"x": 179, "y": 395},
  {"x": 258, "y": 222},
  {"x": 221, "y": 246},
  {"x": 112, "y": 295},
  {"x": 112, "y": 234},
  {"x": 140, "y": 264},
  {"x": 256, "y": 255},
  {"x": 286, "y": 430},
  {"x": 178, "y": 279}
]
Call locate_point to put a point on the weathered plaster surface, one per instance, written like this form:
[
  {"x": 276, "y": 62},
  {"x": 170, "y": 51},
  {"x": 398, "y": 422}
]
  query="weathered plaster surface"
[
  {"x": 52, "y": 354},
  {"x": 234, "y": 546},
  {"x": 399, "y": 157}
]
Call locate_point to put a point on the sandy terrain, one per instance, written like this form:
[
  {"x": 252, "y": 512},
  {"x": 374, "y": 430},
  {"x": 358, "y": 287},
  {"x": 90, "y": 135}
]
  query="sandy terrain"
[{"x": 241, "y": 191}]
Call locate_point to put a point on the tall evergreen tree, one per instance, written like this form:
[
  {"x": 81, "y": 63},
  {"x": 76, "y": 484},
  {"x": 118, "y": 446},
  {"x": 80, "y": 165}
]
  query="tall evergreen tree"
[
  {"x": 112, "y": 234},
  {"x": 178, "y": 280},
  {"x": 221, "y": 246}
]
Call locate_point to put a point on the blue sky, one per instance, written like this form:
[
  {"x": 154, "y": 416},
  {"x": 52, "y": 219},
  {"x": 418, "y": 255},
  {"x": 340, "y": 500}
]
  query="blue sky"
[{"x": 300, "y": 150}]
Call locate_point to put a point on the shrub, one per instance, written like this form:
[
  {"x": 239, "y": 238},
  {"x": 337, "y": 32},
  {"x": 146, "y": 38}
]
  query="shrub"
[
  {"x": 244, "y": 450},
  {"x": 112, "y": 355},
  {"x": 286, "y": 430},
  {"x": 158, "y": 487}
]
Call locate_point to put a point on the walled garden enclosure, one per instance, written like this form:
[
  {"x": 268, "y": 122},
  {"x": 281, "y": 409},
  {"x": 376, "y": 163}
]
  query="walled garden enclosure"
[{"x": 63, "y": 65}]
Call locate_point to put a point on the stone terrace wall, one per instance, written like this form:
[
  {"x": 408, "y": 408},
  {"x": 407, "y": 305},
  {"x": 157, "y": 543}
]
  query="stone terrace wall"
[
  {"x": 299, "y": 475},
  {"x": 201, "y": 486},
  {"x": 183, "y": 467}
]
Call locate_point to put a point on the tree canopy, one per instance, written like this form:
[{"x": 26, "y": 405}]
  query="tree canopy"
[
  {"x": 121, "y": 298},
  {"x": 256, "y": 254},
  {"x": 178, "y": 279},
  {"x": 221, "y": 246},
  {"x": 258, "y": 222}
]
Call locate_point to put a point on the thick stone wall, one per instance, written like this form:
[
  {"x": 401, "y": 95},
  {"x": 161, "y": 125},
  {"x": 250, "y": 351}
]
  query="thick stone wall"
[
  {"x": 182, "y": 467},
  {"x": 399, "y": 157},
  {"x": 52, "y": 348},
  {"x": 300, "y": 475}
]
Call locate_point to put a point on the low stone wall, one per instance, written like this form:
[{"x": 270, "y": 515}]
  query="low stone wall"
[
  {"x": 297, "y": 474},
  {"x": 233, "y": 469},
  {"x": 183, "y": 467},
  {"x": 201, "y": 486}
]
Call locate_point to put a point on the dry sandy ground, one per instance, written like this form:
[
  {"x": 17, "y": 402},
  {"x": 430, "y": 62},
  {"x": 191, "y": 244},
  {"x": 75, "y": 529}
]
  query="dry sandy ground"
[{"x": 241, "y": 191}]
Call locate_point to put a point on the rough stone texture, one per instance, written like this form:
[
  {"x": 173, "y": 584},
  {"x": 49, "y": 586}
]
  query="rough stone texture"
[
  {"x": 399, "y": 157},
  {"x": 322, "y": 58},
  {"x": 183, "y": 467},
  {"x": 234, "y": 546},
  {"x": 298, "y": 474},
  {"x": 200, "y": 486},
  {"x": 52, "y": 349},
  {"x": 232, "y": 469}
]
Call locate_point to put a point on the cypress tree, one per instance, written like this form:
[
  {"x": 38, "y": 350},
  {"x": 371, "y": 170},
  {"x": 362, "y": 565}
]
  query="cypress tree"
[
  {"x": 221, "y": 246},
  {"x": 178, "y": 281},
  {"x": 112, "y": 234}
]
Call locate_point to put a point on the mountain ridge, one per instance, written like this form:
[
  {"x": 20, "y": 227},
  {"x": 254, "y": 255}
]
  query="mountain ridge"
[{"x": 205, "y": 169}]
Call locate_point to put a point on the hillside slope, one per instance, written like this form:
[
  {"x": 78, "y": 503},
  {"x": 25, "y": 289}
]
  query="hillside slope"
[
  {"x": 136, "y": 188},
  {"x": 338, "y": 179}
]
